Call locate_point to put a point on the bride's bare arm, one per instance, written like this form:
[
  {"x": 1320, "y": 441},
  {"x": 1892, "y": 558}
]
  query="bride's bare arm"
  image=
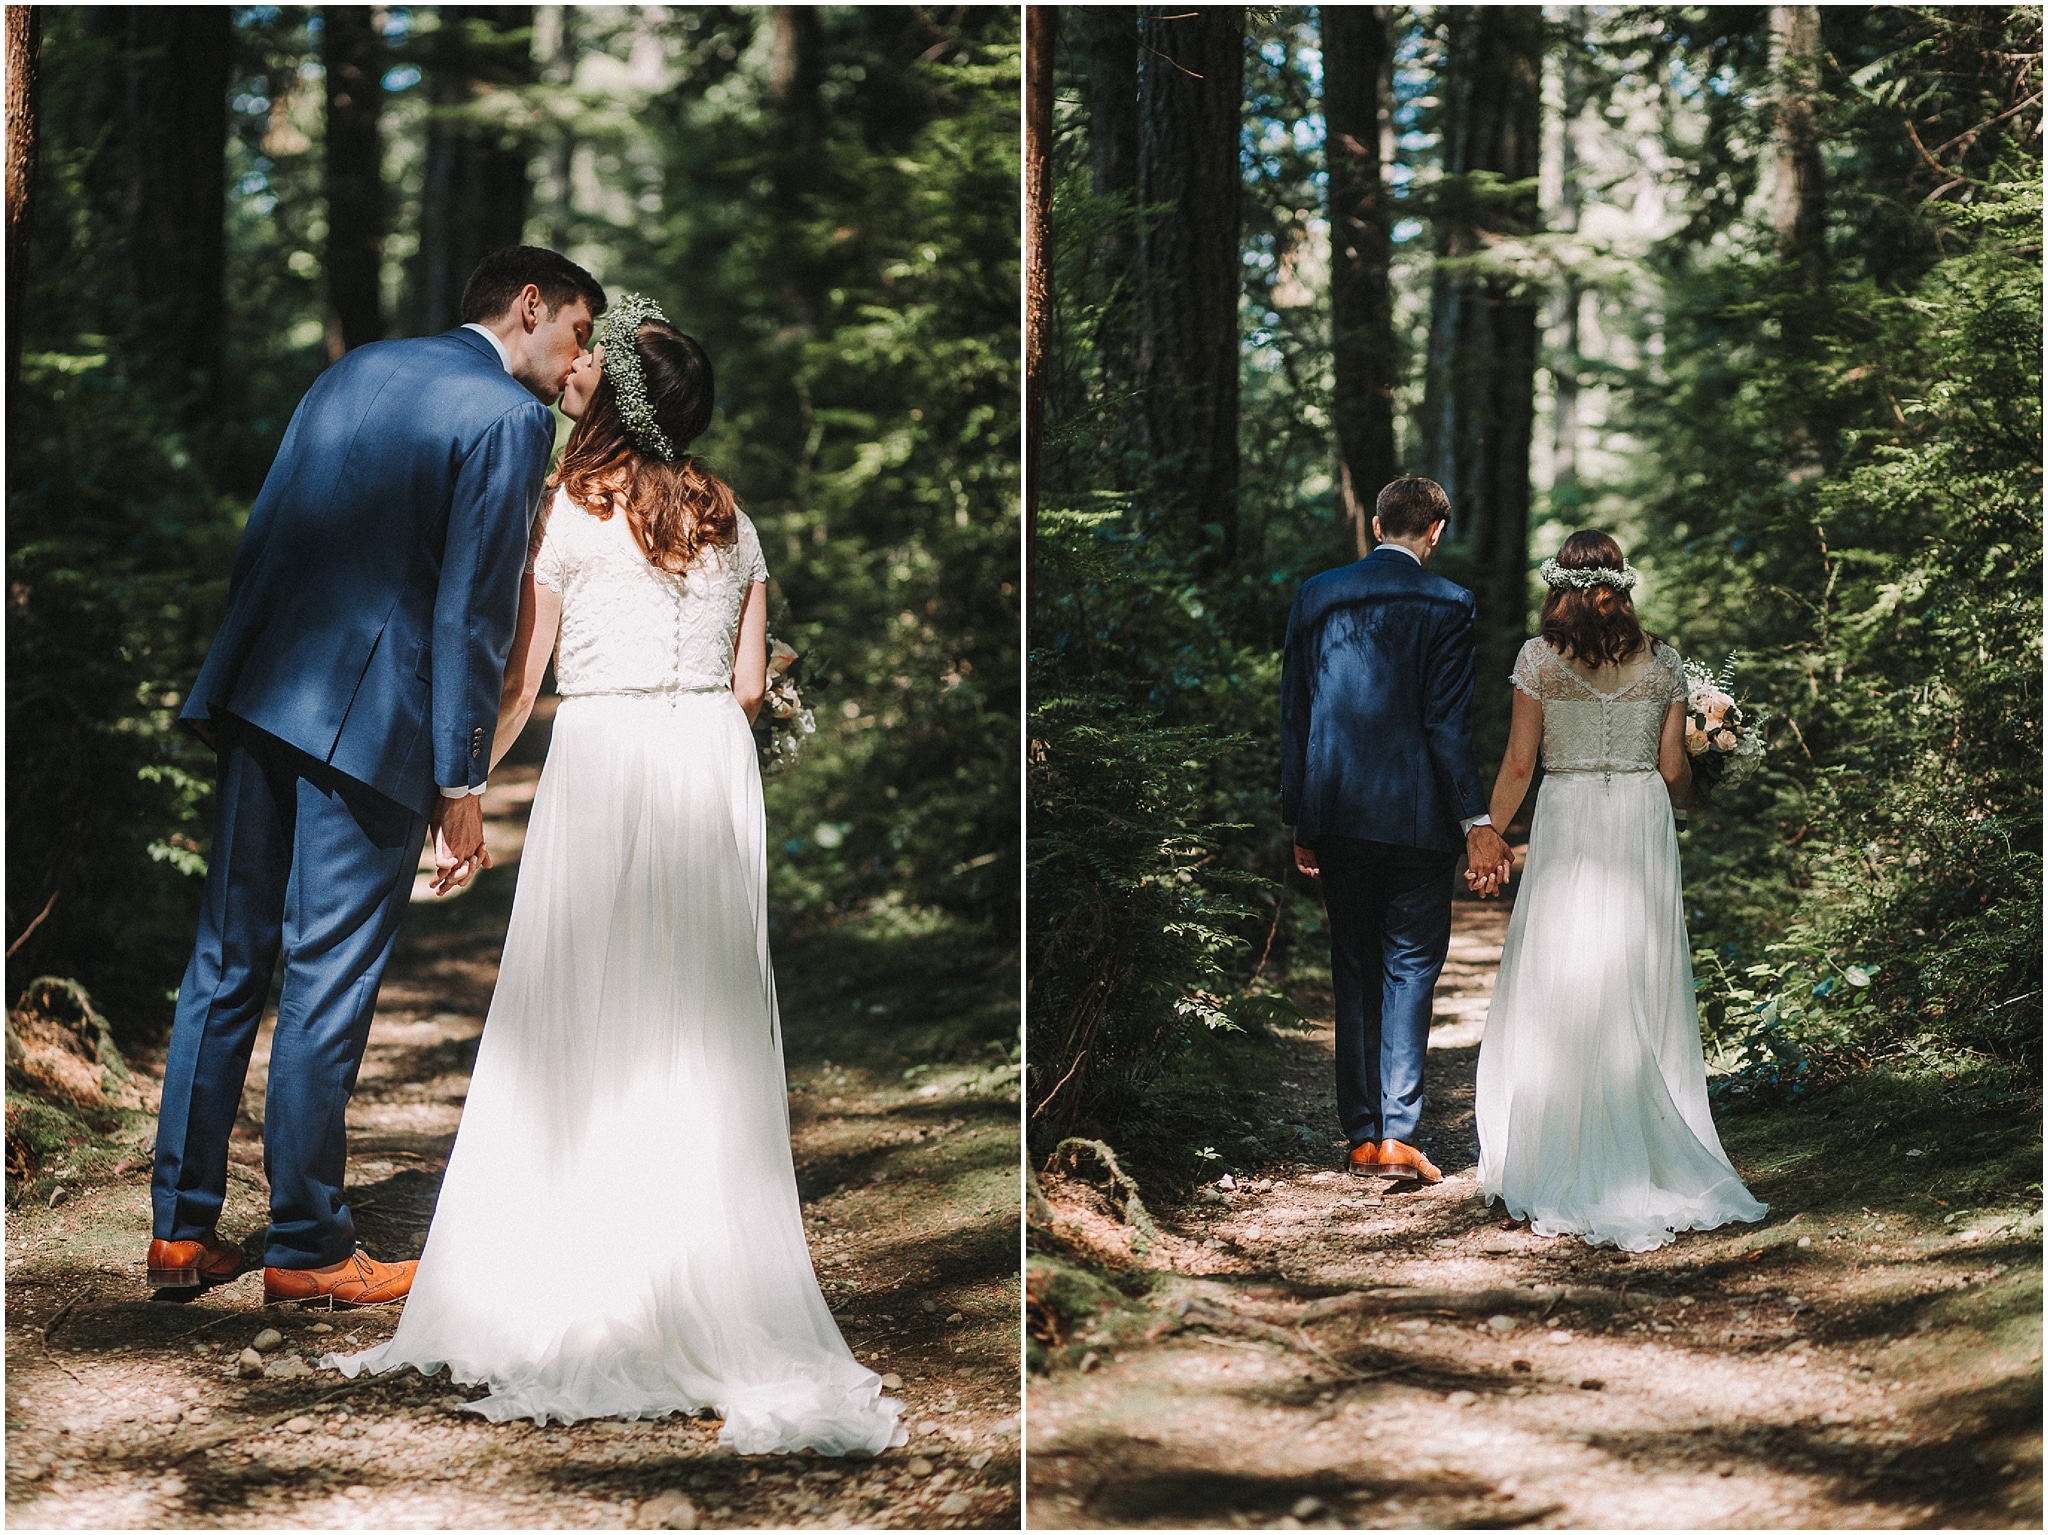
[
  {"x": 540, "y": 615},
  {"x": 1673, "y": 766},
  {"x": 1518, "y": 763},
  {"x": 750, "y": 656}
]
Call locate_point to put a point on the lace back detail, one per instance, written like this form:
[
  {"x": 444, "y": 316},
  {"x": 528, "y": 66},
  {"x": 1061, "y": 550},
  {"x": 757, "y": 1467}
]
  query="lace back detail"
[
  {"x": 629, "y": 626},
  {"x": 1586, "y": 730}
]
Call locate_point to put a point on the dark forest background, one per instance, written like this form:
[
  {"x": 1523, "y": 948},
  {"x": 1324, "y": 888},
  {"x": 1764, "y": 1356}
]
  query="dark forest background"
[
  {"x": 207, "y": 205},
  {"x": 1757, "y": 289}
]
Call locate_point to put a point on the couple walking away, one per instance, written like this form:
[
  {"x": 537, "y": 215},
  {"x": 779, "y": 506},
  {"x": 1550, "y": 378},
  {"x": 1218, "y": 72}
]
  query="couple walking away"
[
  {"x": 1592, "y": 1093},
  {"x": 618, "y": 1233}
]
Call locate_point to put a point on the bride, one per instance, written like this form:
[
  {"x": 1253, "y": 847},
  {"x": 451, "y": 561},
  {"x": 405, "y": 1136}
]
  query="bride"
[
  {"x": 618, "y": 1233},
  {"x": 1592, "y": 1092}
]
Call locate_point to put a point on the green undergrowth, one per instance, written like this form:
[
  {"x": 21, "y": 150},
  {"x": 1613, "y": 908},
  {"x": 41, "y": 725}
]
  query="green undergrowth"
[
  {"x": 1945, "y": 1143},
  {"x": 896, "y": 988}
]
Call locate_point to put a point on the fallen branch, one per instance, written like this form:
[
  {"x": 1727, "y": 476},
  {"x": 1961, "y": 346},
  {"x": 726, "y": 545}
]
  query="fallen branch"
[
  {"x": 1538, "y": 1298},
  {"x": 265, "y": 1424},
  {"x": 1144, "y": 1233},
  {"x": 1195, "y": 1312},
  {"x": 50, "y": 1327},
  {"x": 145, "y": 1307},
  {"x": 52, "y": 901}
]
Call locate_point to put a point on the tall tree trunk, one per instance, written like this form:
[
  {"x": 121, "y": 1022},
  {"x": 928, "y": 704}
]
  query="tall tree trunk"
[
  {"x": 1041, "y": 33},
  {"x": 24, "y": 45},
  {"x": 1480, "y": 394},
  {"x": 1799, "y": 202},
  {"x": 1112, "y": 101},
  {"x": 354, "y": 55},
  {"x": 1565, "y": 360},
  {"x": 795, "y": 71},
  {"x": 1366, "y": 363},
  {"x": 158, "y": 187},
  {"x": 1111, "y": 37},
  {"x": 1190, "y": 109},
  {"x": 474, "y": 190},
  {"x": 555, "y": 45}
]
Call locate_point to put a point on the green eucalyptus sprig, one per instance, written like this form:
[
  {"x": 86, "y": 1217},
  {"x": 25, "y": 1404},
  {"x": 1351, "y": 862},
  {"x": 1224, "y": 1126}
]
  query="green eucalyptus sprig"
[{"x": 618, "y": 332}]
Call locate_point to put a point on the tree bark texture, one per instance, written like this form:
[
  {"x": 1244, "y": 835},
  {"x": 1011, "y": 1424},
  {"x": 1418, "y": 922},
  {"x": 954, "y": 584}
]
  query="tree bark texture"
[
  {"x": 1041, "y": 33},
  {"x": 1112, "y": 101},
  {"x": 1480, "y": 394},
  {"x": 1364, "y": 357},
  {"x": 555, "y": 45},
  {"x": 1190, "y": 109},
  {"x": 795, "y": 71},
  {"x": 1799, "y": 199},
  {"x": 24, "y": 63},
  {"x": 474, "y": 192},
  {"x": 1110, "y": 43},
  {"x": 1565, "y": 359},
  {"x": 357, "y": 214},
  {"x": 158, "y": 184}
]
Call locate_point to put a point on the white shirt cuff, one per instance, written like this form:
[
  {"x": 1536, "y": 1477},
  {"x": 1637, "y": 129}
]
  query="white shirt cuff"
[
  {"x": 1477, "y": 820},
  {"x": 448, "y": 793}
]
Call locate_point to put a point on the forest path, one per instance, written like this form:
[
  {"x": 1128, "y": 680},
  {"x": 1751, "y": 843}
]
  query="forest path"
[
  {"x": 123, "y": 1414},
  {"x": 1849, "y": 1362}
]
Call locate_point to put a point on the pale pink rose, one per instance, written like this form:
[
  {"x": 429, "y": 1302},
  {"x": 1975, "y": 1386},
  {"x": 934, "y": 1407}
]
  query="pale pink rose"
[
  {"x": 1716, "y": 716},
  {"x": 1695, "y": 740},
  {"x": 781, "y": 657},
  {"x": 1725, "y": 739}
]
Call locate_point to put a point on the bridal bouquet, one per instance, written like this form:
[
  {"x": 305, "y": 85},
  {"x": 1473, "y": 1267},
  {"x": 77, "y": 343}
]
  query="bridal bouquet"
[
  {"x": 785, "y": 723},
  {"x": 1725, "y": 745}
]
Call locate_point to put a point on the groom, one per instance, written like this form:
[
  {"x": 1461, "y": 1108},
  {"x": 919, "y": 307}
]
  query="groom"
[
  {"x": 1378, "y": 781},
  {"x": 352, "y": 695}
]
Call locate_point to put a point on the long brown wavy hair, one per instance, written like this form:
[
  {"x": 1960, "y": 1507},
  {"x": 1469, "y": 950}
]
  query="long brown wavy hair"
[
  {"x": 1593, "y": 624},
  {"x": 674, "y": 509}
]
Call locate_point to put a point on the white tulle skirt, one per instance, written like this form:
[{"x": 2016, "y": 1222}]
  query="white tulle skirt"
[
  {"x": 618, "y": 1233},
  {"x": 1592, "y": 1092}
]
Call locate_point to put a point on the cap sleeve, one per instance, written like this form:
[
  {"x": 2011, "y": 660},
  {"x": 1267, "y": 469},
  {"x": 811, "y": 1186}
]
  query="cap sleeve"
[
  {"x": 1528, "y": 673},
  {"x": 751, "y": 559},
  {"x": 547, "y": 562},
  {"x": 1681, "y": 690}
]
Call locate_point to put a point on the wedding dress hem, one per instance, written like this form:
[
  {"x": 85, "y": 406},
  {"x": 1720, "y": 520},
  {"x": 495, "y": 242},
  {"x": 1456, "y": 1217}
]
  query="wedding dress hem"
[{"x": 773, "y": 1418}]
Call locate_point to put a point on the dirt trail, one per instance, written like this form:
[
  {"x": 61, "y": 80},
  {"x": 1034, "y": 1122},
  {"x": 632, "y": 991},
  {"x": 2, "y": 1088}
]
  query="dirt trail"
[
  {"x": 123, "y": 1414},
  {"x": 1852, "y": 1361}
]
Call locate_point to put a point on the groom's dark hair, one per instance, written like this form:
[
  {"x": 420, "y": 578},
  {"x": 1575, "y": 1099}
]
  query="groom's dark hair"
[
  {"x": 1411, "y": 505},
  {"x": 501, "y": 275}
]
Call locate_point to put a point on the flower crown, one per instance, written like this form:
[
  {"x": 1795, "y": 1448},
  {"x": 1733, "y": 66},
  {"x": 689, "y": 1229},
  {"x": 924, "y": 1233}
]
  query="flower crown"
[
  {"x": 618, "y": 332},
  {"x": 1623, "y": 579}
]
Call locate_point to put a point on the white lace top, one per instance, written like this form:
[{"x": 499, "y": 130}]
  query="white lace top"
[
  {"x": 1588, "y": 730},
  {"x": 629, "y": 626}
]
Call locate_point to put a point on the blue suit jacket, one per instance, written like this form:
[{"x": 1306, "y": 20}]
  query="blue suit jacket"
[
  {"x": 1376, "y": 694},
  {"x": 377, "y": 585}
]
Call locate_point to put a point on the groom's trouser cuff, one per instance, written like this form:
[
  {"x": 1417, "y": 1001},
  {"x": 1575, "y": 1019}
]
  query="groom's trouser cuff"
[
  {"x": 1389, "y": 910},
  {"x": 312, "y": 864}
]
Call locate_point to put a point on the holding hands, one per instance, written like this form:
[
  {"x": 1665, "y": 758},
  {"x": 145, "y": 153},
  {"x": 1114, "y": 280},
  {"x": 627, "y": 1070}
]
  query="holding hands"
[
  {"x": 1489, "y": 862},
  {"x": 458, "y": 828}
]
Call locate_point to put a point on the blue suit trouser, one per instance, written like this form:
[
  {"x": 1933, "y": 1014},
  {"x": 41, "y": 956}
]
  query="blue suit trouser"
[
  {"x": 313, "y": 865},
  {"x": 1390, "y": 929}
]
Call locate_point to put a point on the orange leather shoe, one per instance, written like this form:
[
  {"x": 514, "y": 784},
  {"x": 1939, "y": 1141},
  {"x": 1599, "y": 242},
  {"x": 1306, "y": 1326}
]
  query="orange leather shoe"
[
  {"x": 358, "y": 1280},
  {"x": 1400, "y": 1160},
  {"x": 193, "y": 1265},
  {"x": 1364, "y": 1159}
]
